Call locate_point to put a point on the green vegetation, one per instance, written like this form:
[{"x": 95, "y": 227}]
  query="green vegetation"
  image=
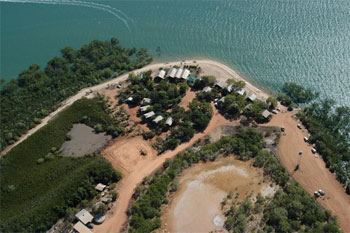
[
  {"x": 38, "y": 186},
  {"x": 36, "y": 93},
  {"x": 298, "y": 94},
  {"x": 290, "y": 210},
  {"x": 329, "y": 127},
  {"x": 151, "y": 195},
  {"x": 165, "y": 97}
]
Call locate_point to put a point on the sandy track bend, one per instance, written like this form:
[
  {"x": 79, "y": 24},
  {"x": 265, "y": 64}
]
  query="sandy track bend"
[
  {"x": 312, "y": 174},
  {"x": 210, "y": 67},
  {"x": 141, "y": 169}
]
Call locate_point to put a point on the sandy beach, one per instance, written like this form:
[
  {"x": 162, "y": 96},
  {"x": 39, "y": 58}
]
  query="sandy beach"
[
  {"x": 312, "y": 175},
  {"x": 209, "y": 67}
]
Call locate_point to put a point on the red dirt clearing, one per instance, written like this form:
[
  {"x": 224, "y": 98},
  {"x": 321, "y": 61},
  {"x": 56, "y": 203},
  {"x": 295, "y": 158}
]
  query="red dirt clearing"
[
  {"x": 145, "y": 167},
  {"x": 312, "y": 174}
]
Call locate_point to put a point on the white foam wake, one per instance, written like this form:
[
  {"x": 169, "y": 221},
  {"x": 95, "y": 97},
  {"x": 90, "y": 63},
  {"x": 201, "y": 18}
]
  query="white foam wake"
[{"x": 115, "y": 12}]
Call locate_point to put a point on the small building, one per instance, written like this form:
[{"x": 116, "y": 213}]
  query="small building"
[
  {"x": 106, "y": 199},
  {"x": 149, "y": 115},
  {"x": 207, "y": 89},
  {"x": 169, "y": 121},
  {"x": 178, "y": 73},
  {"x": 100, "y": 187},
  {"x": 266, "y": 114},
  {"x": 81, "y": 228},
  {"x": 222, "y": 100},
  {"x": 230, "y": 88},
  {"x": 171, "y": 73},
  {"x": 221, "y": 84},
  {"x": 146, "y": 101},
  {"x": 185, "y": 74},
  {"x": 84, "y": 216},
  {"x": 158, "y": 119},
  {"x": 240, "y": 91},
  {"x": 160, "y": 74},
  {"x": 251, "y": 97},
  {"x": 144, "y": 108}
]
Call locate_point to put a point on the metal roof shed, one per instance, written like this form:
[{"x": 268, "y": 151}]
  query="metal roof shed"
[
  {"x": 160, "y": 74},
  {"x": 172, "y": 73},
  {"x": 84, "y": 216},
  {"x": 178, "y": 73},
  {"x": 185, "y": 74},
  {"x": 81, "y": 228}
]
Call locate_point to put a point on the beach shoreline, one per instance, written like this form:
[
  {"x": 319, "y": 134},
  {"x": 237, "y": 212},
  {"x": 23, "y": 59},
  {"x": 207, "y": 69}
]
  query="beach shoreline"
[{"x": 210, "y": 67}]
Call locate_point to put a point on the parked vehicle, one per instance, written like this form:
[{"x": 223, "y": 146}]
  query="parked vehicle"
[
  {"x": 313, "y": 150},
  {"x": 306, "y": 139},
  {"x": 316, "y": 194},
  {"x": 321, "y": 192},
  {"x": 299, "y": 126}
]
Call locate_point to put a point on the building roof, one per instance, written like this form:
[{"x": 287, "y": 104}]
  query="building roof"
[
  {"x": 178, "y": 73},
  {"x": 185, "y": 74},
  {"x": 81, "y": 228},
  {"x": 230, "y": 88},
  {"x": 157, "y": 119},
  {"x": 160, "y": 74},
  {"x": 221, "y": 84},
  {"x": 169, "y": 121},
  {"x": 252, "y": 97},
  {"x": 266, "y": 113},
  {"x": 207, "y": 89},
  {"x": 146, "y": 101},
  {"x": 149, "y": 114},
  {"x": 172, "y": 73},
  {"x": 222, "y": 99},
  {"x": 106, "y": 199},
  {"x": 240, "y": 91},
  {"x": 100, "y": 187},
  {"x": 144, "y": 108},
  {"x": 84, "y": 216}
]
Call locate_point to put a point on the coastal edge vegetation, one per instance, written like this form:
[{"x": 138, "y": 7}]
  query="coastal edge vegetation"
[
  {"x": 35, "y": 93},
  {"x": 38, "y": 185},
  {"x": 291, "y": 209}
]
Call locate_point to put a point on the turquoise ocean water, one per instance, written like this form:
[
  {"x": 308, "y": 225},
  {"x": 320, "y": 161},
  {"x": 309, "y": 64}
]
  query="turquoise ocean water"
[{"x": 268, "y": 41}]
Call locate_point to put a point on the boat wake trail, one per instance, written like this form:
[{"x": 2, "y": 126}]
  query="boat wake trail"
[{"x": 115, "y": 12}]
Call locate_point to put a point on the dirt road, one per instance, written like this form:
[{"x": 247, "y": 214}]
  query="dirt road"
[
  {"x": 135, "y": 175},
  {"x": 312, "y": 174},
  {"x": 210, "y": 67}
]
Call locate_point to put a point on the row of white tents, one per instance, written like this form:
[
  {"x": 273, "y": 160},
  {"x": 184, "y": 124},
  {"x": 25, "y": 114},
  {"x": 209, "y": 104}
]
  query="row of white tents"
[{"x": 174, "y": 73}]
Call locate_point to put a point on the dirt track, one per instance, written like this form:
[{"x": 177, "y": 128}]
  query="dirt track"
[
  {"x": 139, "y": 170},
  {"x": 312, "y": 174}
]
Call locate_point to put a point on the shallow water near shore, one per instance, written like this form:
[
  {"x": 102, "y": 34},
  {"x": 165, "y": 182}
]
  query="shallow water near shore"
[{"x": 269, "y": 42}]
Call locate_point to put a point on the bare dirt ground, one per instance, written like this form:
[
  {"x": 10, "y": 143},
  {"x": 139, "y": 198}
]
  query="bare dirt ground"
[
  {"x": 196, "y": 205},
  {"x": 312, "y": 174},
  {"x": 134, "y": 173},
  {"x": 190, "y": 95},
  {"x": 210, "y": 66}
]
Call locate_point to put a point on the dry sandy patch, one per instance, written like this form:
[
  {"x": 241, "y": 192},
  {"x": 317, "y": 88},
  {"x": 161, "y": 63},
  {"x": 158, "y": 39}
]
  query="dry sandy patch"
[
  {"x": 196, "y": 206},
  {"x": 312, "y": 174}
]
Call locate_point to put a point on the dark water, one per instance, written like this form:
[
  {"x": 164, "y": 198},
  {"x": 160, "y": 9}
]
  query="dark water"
[{"x": 268, "y": 41}]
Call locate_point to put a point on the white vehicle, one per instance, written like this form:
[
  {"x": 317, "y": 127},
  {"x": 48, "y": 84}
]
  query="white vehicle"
[
  {"x": 316, "y": 194},
  {"x": 313, "y": 150},
  {"x": 306, "y": 139},
  {"x": 321, "y": 192},
  {"x": 274, "y": 111},
  {"x": 299, "y": 126}
]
